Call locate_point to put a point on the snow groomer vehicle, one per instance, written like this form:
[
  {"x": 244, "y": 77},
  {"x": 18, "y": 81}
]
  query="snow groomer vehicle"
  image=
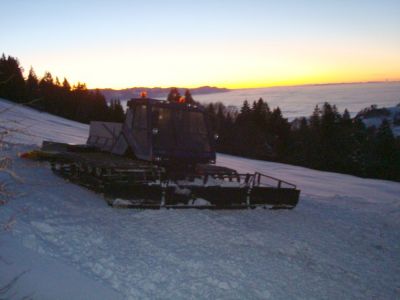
[{"x": 163, "y": 156}]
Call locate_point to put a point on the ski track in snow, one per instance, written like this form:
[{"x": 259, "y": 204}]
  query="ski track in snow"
[{"x": 340, "y": 242}]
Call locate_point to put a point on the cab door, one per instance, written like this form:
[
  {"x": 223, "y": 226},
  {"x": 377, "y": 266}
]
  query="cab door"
[{"x": 136, "y": 131}]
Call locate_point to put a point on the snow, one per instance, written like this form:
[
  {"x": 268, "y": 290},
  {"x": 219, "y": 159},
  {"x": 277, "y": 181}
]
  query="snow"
[
  {"x": 394, "y": 113},
  {"x": 200, "y": 202},
  {"x": 23, "y": 125},
  {"x": 341, "y": 241},
  {"x": 121, "y": 203}
]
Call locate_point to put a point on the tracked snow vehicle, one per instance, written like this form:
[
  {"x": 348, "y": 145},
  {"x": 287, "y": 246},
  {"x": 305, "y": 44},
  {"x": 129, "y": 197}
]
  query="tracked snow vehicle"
[{"x": 163, "y": 155}]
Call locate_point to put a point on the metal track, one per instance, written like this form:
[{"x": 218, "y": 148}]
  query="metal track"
[
  {"x": 144, "y": 185},
  {"x": 152, "y": 189}
]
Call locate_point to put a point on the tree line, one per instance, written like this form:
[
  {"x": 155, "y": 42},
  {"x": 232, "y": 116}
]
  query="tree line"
[
  {"x": 51, "y": 95},
  {"x": 327, "y": 140}
]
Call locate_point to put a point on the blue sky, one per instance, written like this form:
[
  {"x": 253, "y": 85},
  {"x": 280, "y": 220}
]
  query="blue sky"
[{"x": 231, "y": 43}]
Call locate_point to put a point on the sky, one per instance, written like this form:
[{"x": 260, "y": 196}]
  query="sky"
[{"x": 234, "y": 44}]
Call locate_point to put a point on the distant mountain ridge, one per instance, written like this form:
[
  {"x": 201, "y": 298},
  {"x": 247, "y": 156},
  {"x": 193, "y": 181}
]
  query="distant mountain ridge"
[{"x": 157, "y": 92}]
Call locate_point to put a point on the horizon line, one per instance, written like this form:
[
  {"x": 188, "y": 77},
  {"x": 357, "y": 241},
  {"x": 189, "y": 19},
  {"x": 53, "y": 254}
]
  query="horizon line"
[{"x": 248, "y": 88}]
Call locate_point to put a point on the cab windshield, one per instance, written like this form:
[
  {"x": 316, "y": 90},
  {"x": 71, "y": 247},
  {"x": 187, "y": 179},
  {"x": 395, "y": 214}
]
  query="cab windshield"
[{"x": 179, "y": 129}]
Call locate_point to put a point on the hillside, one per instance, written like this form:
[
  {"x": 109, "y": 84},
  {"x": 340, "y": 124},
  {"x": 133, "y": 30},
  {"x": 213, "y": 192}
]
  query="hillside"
[
  {"x": 340, "y": 242},
  {"x": 374, "y": 116}
]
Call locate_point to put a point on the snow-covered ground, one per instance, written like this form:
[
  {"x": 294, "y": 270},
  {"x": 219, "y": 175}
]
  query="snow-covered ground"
[{"x": 341, "y": 242}]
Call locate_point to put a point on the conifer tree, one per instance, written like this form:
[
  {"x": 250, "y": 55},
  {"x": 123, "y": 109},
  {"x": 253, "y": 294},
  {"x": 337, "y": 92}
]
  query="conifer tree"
[
  {"x": 66, "y": 86},
  {"x": 315, "y": 118},
  {"x": 386, "y": 156},
  {"x": 116, "y": 112},
  {"x": 346, "y": 116},
  {"x": 245, "y": 108},
  {"x": 46, "y": 87},
  {"x": 12, "y": 84},
  {"x": 173, "y": 95},
  {"x": 188, "y": 97},
  {"x": 32, "y": 85},
  {"x": 358, "y": 156}
]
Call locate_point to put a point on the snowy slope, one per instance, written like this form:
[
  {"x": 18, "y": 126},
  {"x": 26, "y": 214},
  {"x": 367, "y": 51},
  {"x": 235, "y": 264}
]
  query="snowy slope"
[{"x": 341, "y": 241}]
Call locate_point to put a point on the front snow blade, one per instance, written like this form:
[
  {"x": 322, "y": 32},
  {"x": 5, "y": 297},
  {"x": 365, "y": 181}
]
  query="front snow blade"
[{"x": 274, "y": 198}]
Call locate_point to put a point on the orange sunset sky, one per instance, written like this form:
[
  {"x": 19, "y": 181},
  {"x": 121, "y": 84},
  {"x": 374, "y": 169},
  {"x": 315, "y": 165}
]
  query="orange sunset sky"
[{"x": 234, "y": 44}]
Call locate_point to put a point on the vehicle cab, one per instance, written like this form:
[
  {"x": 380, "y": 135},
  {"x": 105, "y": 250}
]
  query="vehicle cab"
[{"x": 162, "y": 131}]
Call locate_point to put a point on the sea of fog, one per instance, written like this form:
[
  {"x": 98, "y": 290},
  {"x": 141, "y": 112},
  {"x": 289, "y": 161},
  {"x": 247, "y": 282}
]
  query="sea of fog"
[{"x": 300, "y": 101}]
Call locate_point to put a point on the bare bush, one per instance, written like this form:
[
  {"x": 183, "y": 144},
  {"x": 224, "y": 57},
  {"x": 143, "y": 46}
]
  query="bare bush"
[{"x": 8, "y": 291}]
